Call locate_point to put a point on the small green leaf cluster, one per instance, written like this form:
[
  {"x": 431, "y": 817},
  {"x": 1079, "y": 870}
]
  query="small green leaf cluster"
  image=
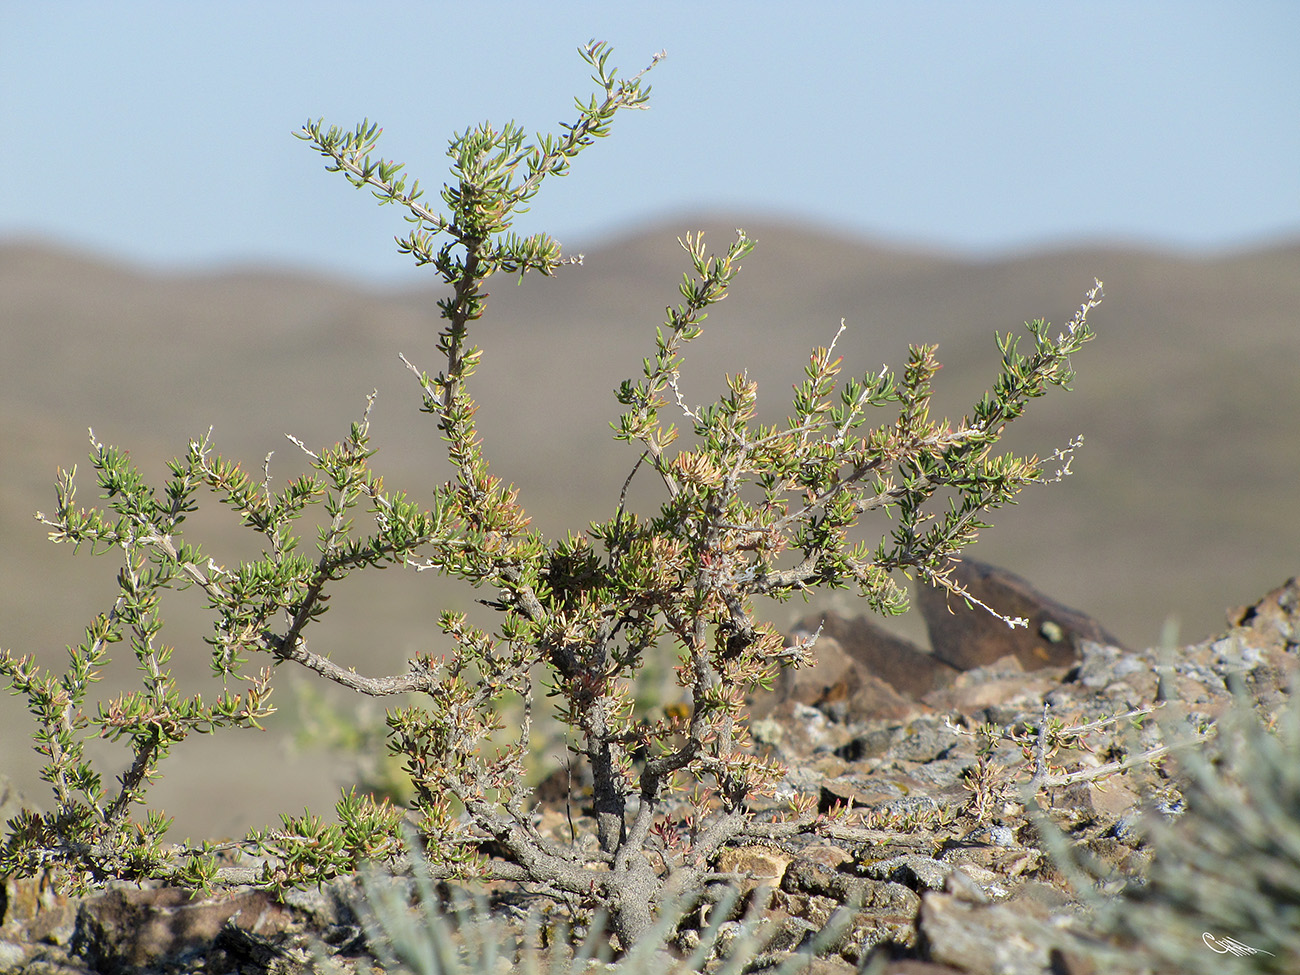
[
  {"x": 90, "y": 828},
  {"x": 306, "y": 850},
  {"x": 748, "y": 510}
]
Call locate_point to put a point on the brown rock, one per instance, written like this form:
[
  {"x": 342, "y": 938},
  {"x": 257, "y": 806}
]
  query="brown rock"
[
  {"x": 807, "y": 685},
  {"x": 1275, "y": 618},
  {"x": 31, "y": 908},
  {"x": 757, "y": 864},
  {"x": 861, "y": 696},
  {"x": 900, "y": 663},
  {"x": 128, "y": 929},
  {"x": 994, "y": 687},
  {"x": 830, "y": 856},
  {"x": 836, "y": 685},
  {"x": 912, "y": 966},
  {"x": 969, "y": 637},
  {"x": 883, "y": 897}
]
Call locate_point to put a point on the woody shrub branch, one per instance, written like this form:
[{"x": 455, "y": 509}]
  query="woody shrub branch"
[{"x": 748, "y": 510}]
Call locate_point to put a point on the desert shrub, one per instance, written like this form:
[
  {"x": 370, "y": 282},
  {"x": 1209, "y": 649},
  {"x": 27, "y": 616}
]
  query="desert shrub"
[
  {"x": 748, "y": 510},
  {"x": 413, "y": 928},
  {"x": 1222, "y": 891}
]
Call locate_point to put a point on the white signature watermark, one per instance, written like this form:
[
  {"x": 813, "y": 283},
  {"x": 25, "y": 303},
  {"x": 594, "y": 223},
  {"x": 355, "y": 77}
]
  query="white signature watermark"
[{"x": 1231, "y": 946}]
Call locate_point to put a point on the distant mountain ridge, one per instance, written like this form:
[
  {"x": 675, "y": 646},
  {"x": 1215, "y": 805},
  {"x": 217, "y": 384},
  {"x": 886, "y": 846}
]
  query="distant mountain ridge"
[{"x": 1183, "y": 501}]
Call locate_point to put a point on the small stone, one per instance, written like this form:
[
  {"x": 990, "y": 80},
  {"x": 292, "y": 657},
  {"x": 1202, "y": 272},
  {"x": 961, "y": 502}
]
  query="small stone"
[
  {"x": 766, "y": 731},
  {"x": 923, "y": 740},
  {"x": 829, "y": 856},
  {"x": 1128, "y": 828},
  {"x": 1129, "y": 664},
  {"x": 994, "y": 835},
  {"x": 961, "y": 884},
  {"x": 917, "y": 872},
  {"x": 1098, "y": 667},
  {"x": 757, "y": 864},
  {"x": 12, "y": 956}
]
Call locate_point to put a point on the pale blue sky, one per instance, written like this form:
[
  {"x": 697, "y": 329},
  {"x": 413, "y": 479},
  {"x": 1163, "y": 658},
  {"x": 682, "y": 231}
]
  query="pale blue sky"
[{"x": 160, "y": 132}]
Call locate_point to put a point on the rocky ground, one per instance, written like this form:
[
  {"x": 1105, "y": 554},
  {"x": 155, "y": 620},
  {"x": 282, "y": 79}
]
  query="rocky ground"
[{"x": 940, "y": 868}]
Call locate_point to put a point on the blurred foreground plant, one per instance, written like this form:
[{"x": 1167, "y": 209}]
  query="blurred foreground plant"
[
  {"x": 1222, "y": 892},
  {"x": 748, "y": 510},
  {"x": 409, "y": 930}
]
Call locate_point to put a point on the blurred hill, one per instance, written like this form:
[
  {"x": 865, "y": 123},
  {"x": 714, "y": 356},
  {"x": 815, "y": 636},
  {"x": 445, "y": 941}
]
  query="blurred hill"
[{"x": 1184, "y": 499}]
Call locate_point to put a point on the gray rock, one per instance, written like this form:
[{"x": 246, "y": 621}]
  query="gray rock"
[
  {"x": 879, "y": 897},
  {"x": 922, "y": 740},
  {"x": 1018, "y": 937},
  {"x": 1098, "y": 668},
  {"x": 917, "y": 872},
  {"x": 994, "y": 835}
]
